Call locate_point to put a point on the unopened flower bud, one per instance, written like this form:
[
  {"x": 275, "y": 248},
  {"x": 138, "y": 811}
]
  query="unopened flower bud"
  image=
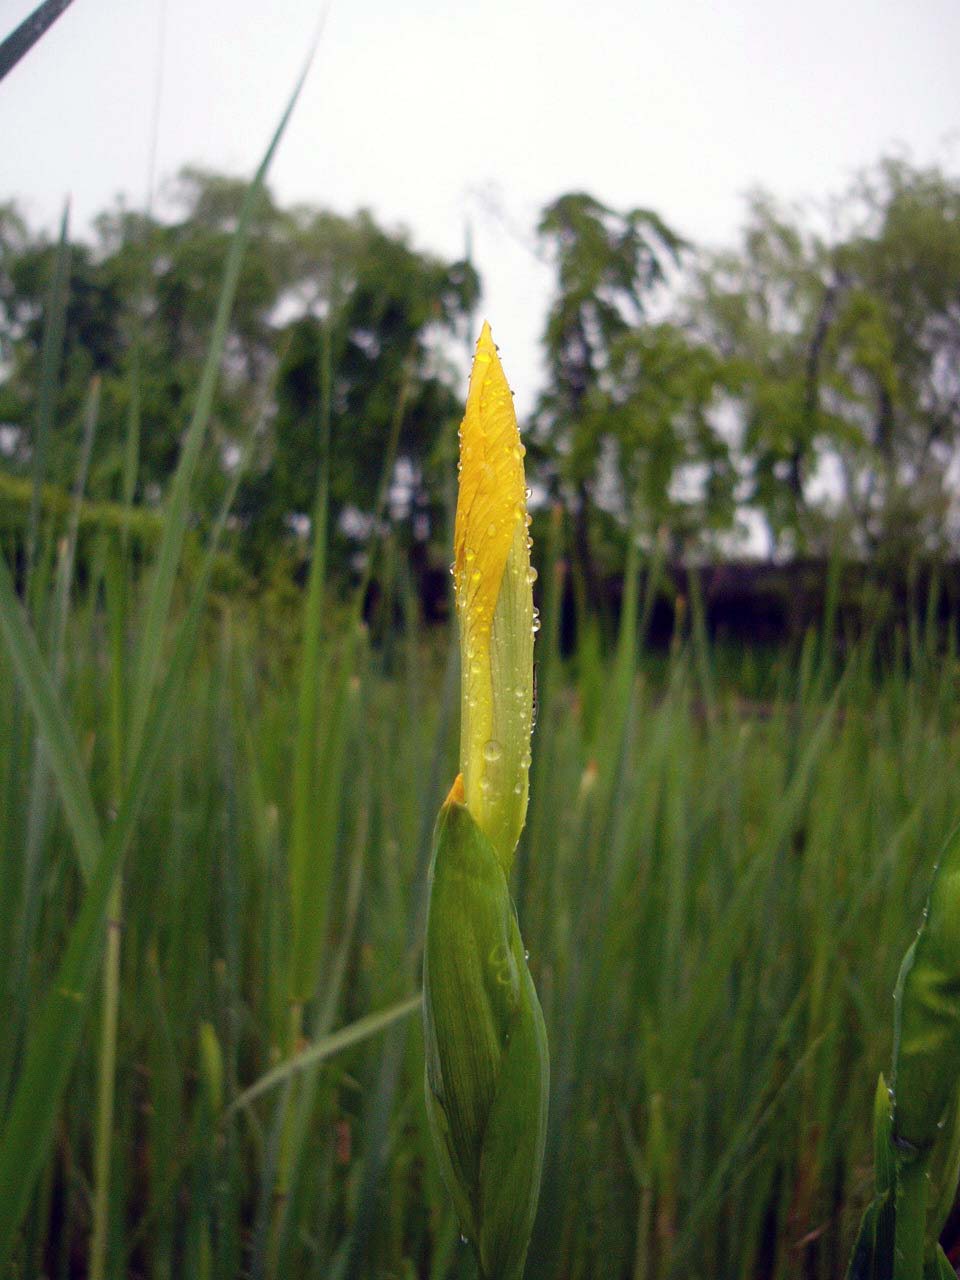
[{"x": 487, "y": 1066}]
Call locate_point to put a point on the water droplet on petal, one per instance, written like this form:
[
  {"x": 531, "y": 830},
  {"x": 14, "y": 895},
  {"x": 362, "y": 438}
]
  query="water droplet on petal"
[{"x": 492, "y": 751}]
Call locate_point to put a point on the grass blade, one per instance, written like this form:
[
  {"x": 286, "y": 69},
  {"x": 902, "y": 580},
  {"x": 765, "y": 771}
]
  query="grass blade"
[
  {"x": 55, "y": 1035},
  {"x": 51, "y": 356},
  {"x": 22, "y": 39},
  {"x": 175, "y": 525},
  {"x": 325, "y": 1048},
  {"x": 54, "y": 726}
]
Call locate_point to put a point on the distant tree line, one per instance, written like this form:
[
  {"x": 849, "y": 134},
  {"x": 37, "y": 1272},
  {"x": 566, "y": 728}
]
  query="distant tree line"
[{"x": 804, "y": 383}]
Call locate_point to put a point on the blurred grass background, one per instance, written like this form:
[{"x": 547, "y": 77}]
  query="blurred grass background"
[{"x": 715, "y": 896}]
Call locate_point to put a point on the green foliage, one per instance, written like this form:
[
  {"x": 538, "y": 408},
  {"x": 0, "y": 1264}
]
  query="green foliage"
[
  {"x": 926, "y": 1052},
  {"x": 842, "y": 352},
  {"x": 141, "y": 297},
  {"x": 714, "y": 897},
  {"x": 379, "y": 305},
  {"x": 625, "y": 415},
  {"x": 673, "y": 466},
  {"x": 608, "y": 264},
  {"x": 917, "y": 1123},
  {"x": 807, "y": 376}
]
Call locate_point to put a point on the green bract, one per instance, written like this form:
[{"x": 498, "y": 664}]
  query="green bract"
[{"x": 487, "y": 1068}]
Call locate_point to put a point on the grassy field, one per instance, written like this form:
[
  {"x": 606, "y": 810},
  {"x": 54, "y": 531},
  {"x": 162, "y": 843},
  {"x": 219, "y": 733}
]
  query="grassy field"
[{"x": 716, "y": 894}]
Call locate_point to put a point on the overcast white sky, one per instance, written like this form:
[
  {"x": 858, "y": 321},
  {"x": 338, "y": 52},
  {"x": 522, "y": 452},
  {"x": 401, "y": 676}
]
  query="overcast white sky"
[{"x": 433, "y": 112}]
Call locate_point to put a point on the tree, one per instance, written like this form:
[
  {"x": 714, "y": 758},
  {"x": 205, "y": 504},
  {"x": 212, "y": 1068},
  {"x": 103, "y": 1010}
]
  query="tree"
[
  {"x": 626, "y": 413},
  {"x": 384, "y": 309},
  {"x": 672, "y": 468},
  {"x": 766, "y": 310},
  {"x": 144, "y": 291},
  {"x": 140, "y": 312},
  {"x": 897, "y": 348},
  {"x": 841, "y": 352}
]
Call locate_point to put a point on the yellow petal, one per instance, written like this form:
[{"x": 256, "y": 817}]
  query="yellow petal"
[
  {"x": 491, "y": 485},
  {"x": 494, "y": 605}
]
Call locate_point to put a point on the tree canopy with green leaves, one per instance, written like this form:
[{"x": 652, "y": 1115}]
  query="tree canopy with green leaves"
[
  {"x": 842, "y": 351},
  {"x": 810, "y": 374},
  {"x": 138, "y": 315},
  {"x": 625, "y": 417}
]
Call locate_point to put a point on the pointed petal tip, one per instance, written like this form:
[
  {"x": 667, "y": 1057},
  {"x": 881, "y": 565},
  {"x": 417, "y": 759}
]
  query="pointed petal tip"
[{"x": 485, "y": 341}]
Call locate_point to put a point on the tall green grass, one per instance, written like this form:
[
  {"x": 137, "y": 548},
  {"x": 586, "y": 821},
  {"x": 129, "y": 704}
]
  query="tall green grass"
[{"x": 715, "y": 896}]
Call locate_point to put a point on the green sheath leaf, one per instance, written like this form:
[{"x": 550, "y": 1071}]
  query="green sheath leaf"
[{"x": 487, "y": 1070}]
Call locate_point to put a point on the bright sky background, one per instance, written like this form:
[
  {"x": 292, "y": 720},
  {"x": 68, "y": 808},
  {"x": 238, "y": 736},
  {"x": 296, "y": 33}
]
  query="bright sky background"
[{"x": 433, "y": 113}]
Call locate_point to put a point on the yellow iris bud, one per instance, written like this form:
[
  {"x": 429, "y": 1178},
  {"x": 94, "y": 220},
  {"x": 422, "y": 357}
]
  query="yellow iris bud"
[
  {"x": 487, "y": 1064},
  {"x": 495, "y": 607}
]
